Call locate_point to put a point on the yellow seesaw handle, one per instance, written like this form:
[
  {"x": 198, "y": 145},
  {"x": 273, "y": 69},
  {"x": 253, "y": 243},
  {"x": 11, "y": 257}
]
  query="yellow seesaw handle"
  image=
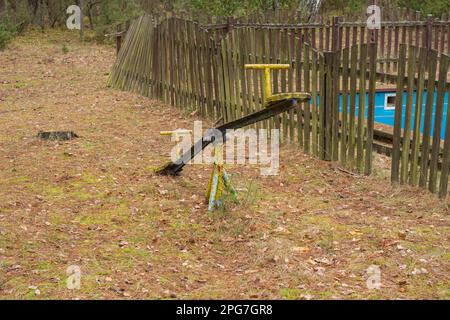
[
  {"x": 263, "y": 66},
  {"x": 267, "y": 78},
  {"x": 176, "y": 133}
]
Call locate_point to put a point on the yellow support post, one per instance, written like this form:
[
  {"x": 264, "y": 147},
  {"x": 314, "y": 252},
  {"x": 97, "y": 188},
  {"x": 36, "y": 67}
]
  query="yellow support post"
[
  {"x": 218, "y": 181},
  {"x": 267, "y": 74}
]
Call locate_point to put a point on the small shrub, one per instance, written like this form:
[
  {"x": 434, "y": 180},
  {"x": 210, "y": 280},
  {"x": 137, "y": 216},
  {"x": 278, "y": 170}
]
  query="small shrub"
[
  {"x": 5, "y": 36},
  {"x": 65, "y": 49},
  {"x": 100, "y": 32}
]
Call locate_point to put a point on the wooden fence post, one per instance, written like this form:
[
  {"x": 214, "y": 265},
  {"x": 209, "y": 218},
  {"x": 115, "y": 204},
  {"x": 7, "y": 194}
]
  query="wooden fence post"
[
  {"x": 397, "y": 139},
  {"x": 230, "y": 24},
  {"x": 429, "y": 32},
  {"x": 371, "y": 103},
  {"x": 327, "y": 95},
  {"x": 118, "y": 38},
  {"x": 335, "y": 34}
]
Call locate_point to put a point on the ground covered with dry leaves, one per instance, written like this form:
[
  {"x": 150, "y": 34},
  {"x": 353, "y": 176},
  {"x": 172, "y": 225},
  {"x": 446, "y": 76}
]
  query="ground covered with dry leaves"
[{"x": 94, "y": 202}]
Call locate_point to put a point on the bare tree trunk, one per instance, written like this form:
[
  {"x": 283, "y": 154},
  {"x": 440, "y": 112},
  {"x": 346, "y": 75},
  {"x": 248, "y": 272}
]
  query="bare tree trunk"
[
  {"x": 33, "y": 6},
  {"x": 91, "y": 19},
  {"x": 11, "y": 5},
  {"x": 82, "y": 20},
  {"x": 35, "y": 10},
  {"x": 90, "y": 7}
]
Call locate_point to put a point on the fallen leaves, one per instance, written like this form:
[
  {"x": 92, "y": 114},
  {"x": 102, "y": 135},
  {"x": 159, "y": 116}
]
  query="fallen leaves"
[
  {"x": 281, "y": 231},
  {"x": 123, "y": 243},
  {"x": 35, "y": 290},
  {"x": 419, "y": 271},
  {"x": 300, "y": 249}
]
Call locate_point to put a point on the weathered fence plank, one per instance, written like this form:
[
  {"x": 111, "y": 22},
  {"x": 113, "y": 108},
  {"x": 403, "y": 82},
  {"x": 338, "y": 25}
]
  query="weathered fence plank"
[
  {"x": 408, "y": 114},
  {"x": 361, "y": 110},
  {"x": 371, "y": 107},
  {"x": 443, "y": 185},
  {"x": 425, "y": 152},
  {"x": 413, "y": 178},
  {"x": 436, "y": 147},
  {"x": 397, "y": 142}
]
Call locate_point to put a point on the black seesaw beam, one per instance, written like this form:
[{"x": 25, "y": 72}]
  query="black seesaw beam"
[{"x": 273, "y": 109}]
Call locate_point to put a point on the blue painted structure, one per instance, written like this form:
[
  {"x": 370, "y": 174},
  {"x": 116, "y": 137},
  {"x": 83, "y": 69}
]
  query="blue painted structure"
[{"x": 385, "y": 116}]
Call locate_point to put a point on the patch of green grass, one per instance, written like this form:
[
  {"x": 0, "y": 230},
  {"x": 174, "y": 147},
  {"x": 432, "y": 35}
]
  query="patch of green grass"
[
  {"x": 54, "y": 191},
  {"x": 59, "y": 237},
  {"x": 187, "y": 111},
  {"x": 65, "y": 49},
  {"x": 291, "y": 293},
  {"x": 326, "y": 240},
  {"x": 252, "y": 196},
  {"x": 50, "y": 191},
  {"x": 380, "y": 261},
  {"x": 324, "y": 295},
  {"x": 20, "y": 85},
  {"x": 89, "y": 186},
  {"x": 5, "y": 36},
  {"x": 98, "y": 218},
  {"x": 274, "y": 217},
  {"x": 238, "y": 229},
  {"x": 163, "y": 280},
  {"x": 20, "y": 180},
  {"x": 105, "y": 217},
  {"x": 4, "y": 265},
  {"x": 177, "y": 225},
  {"x": 56, "y": 218},
  {"x": 446, "y": 256},
  {"x": 329, "y": 231},
  {"x": 136, "y": 253},
  {"x": 152, "y": 168},
  {"x": 83, "y": 195},
  {"x": 87, "y": 146},
  {"x": 419, "y": 288},
  {"x": 423, "y": 247},
  {"x": 149, "y": 189},
  {"x": 227, "y": 202},
  {"x": 29, "y": 247},
  {"x": 44, "y": 266},
  {"x": 21, "y": 288}
]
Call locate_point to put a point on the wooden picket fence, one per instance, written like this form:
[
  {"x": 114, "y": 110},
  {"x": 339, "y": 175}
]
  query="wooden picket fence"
[
  {"x": 188, "y": 66},
  {"x": 398, "y": 26},
  {"x": 335, "y": 34},
  {"x": 422, "y": 159},
  {"x": 178, "y": 62}
]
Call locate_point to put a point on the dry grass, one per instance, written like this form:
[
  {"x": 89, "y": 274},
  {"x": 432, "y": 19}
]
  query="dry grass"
[{"x": 94, "y": 202}]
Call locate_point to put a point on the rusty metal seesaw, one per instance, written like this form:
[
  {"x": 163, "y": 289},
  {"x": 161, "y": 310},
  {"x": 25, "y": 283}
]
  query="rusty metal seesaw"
[{"x": 275, "y": 104}]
